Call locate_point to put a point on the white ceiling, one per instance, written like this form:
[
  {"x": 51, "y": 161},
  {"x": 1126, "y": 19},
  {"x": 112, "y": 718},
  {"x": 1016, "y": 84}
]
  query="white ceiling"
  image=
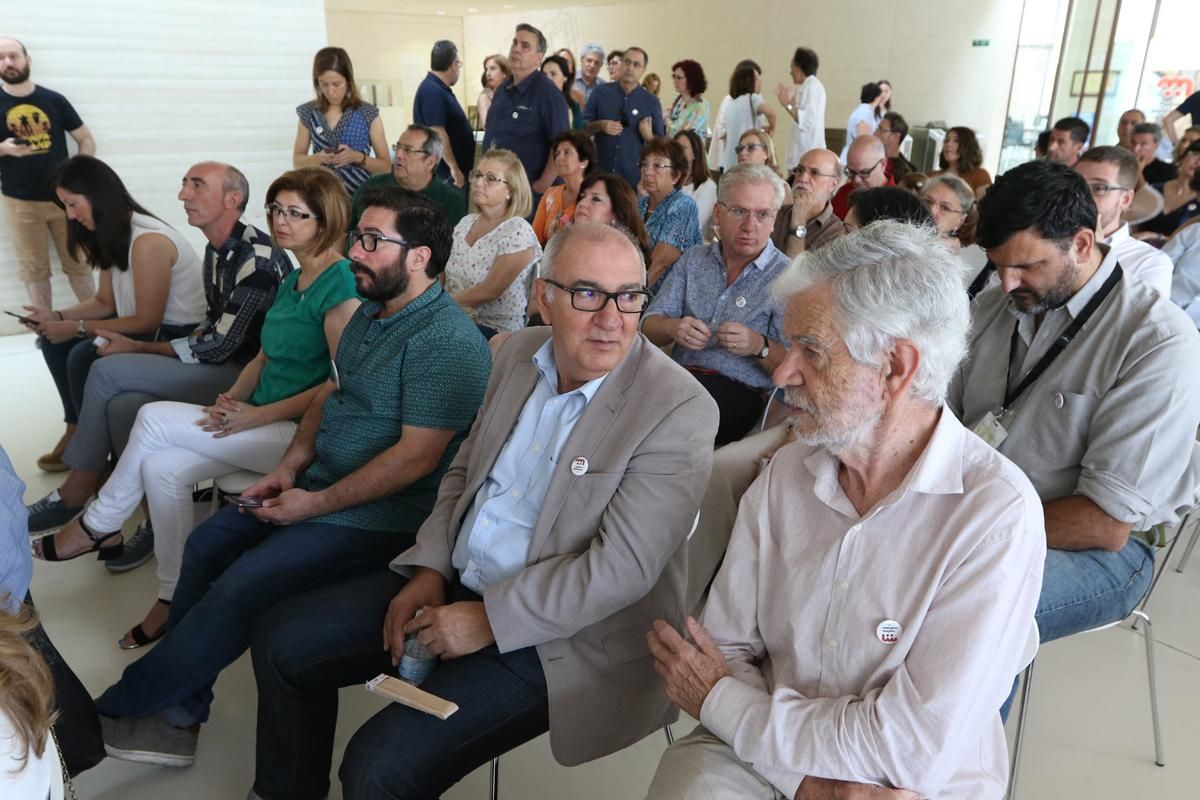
[{"x": 453, "y": 8}]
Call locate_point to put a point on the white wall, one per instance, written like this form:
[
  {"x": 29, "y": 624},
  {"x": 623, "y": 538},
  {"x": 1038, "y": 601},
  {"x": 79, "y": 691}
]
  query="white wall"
[
  {"x": 924, "y": 49},
  {"x": 164, "y": 85}
]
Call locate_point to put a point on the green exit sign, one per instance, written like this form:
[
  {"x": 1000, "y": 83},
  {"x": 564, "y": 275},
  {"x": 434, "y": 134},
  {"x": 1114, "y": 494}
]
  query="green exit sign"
[{"x": 980, "y": 42}]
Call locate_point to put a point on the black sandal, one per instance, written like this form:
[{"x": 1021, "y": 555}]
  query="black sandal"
[
  {"x": 102, "y": 553},
  {"x": 139, "y": 635}
]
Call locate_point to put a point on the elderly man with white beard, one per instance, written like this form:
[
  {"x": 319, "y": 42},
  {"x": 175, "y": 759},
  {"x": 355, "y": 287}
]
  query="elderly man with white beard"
[{"x": 882, "y": 575}]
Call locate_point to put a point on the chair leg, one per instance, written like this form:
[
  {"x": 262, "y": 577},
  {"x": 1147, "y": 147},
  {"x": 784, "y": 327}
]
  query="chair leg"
[
  {"x": 670, "y": 736},
  {"x": 1188, "y": 553},
  {"x": 1161, "y": 566},
  {"x": 1018, "y": 740},
  {"x": 495, "y": 778},
  {"x": 1152, "y": 672}
]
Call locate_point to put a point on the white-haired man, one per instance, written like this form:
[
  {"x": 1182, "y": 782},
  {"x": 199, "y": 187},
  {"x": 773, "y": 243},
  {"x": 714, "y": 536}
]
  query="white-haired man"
[
  {"x": 715, "y": 305},
  {"x": 881, "y": 579},
  {"x": 591, "y": 59}
]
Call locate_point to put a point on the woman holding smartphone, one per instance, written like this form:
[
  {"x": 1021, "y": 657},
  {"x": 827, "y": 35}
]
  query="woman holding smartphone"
[
  {"x": 175, "y": 445},
  {"x": 339, "y": 130},
  {"x": 151, "y": 286}
]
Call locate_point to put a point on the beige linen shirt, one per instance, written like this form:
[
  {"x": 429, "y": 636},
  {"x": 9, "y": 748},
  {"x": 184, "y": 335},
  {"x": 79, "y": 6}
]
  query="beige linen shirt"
[
  {"x": 954, "y": 555},
  {"x": 1114, "y": 417}
]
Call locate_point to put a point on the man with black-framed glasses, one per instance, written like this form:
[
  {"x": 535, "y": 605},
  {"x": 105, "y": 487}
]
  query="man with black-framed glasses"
[
  {"x": 358, "y": 479},
  {"x": 1111, "y": 173},
  {"x": 866, "y": 168},
  {"x": 807, "y": 221},
  {"x": 715, "y": 304},
  {"x": 536, "y": 577},
  {"x": 414, "y": 167}
]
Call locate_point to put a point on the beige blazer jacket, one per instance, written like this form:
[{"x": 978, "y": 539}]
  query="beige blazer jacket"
[{"x": 608, "y": 554}]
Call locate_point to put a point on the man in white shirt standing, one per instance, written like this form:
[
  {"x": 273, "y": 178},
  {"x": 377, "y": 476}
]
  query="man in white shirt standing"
[
  {"x": 1111, "y": 173},
  {"x": 805, "y": 104},
  {"x": 882, "y": 575}
]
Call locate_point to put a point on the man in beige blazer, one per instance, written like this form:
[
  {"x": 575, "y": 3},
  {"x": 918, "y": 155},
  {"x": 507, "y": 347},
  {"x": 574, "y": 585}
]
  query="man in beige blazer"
[{"x": 557, "y": 539}]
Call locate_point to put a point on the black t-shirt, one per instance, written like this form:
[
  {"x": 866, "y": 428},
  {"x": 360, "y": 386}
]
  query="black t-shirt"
[
  {"x": 1191, "y": 106},
  {"x": 42, "y": 118}
]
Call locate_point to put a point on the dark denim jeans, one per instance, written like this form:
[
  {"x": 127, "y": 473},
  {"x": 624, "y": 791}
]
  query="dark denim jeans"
[
  {"x": 312, "y": 645},
  {"x": 1084, "y": 589},
  {"x": 235, "y": 569}
]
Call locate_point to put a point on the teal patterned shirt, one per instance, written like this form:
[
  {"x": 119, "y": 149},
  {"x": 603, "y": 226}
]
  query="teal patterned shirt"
[{"x": 426, "y": 366}]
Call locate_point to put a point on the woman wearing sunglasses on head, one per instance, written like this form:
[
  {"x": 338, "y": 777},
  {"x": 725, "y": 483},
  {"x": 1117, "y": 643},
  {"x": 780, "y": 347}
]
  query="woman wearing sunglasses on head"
[{"x": 176, "y": 445}]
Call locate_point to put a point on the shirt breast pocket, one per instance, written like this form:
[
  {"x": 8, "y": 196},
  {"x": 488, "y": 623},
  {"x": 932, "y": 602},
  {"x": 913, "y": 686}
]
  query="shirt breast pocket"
[
  {"x": 1060, "y": 425},
  {"x": 525, "y": 121}
]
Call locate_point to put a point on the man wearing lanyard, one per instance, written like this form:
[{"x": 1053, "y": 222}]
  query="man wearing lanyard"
[{"x": 1089, "y": 380}]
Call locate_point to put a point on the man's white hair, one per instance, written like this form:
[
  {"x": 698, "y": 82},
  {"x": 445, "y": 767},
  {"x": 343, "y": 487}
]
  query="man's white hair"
[
  {"x": 753, "y": 175},
  {"x": 892, "y": 280}
]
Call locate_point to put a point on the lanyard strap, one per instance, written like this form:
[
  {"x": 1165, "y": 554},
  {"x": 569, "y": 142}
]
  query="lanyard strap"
[
  {"x": 1060, "y": 343},
  {"x": 980, "y": 280}
]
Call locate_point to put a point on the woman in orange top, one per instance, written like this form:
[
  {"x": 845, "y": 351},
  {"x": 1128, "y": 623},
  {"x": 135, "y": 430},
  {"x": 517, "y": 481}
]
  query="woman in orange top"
[
  {"x": 573, "y": 154},
  {"x": 962, "y": 157}
]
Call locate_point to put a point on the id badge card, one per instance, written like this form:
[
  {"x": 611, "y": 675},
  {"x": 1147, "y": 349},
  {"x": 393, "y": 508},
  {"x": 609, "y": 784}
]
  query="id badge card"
[
  {"x": 990, "y": 430},
  {"x": 184, "y": 351}
]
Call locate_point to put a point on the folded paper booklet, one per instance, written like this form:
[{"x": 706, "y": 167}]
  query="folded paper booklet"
[{"x": 406, "y": 694}]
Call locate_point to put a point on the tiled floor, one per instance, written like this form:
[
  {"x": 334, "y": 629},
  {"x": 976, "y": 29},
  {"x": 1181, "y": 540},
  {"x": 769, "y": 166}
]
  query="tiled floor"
[{"x": 1088, "y": 737}]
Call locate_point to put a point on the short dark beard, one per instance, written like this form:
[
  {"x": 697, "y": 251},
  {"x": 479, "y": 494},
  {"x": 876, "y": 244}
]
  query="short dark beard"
[
  {"x": 1054, "y": 297},
  {"x": 388, "y": 285},
  {"x": 22, "y": 76}
]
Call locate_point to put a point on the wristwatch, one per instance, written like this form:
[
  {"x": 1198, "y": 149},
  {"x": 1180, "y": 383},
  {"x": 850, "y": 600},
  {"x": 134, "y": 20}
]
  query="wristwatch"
[
  {"x": 766, "y": 351},
  {"x": 799, "y": 231},
  {"x": 80, "y": 332}
]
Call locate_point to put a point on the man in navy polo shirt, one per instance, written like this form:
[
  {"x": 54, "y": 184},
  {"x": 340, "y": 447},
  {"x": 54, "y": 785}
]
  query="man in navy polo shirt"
[
  {"x": 435, "y": 106},
  {"x": 528, "y": 110},
  {"x": 622, "y": 116}
]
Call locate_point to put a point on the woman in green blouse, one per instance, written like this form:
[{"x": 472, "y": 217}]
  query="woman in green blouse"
[{"x": 175, "y": 445}]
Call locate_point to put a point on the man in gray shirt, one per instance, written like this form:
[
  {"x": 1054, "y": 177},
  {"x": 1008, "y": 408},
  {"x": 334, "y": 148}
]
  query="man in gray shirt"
[{"x": 1104, "y": 427}]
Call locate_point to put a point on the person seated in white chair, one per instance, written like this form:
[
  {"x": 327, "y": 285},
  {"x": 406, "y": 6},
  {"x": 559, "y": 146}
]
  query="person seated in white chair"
[{"x": 876, "y": 597}]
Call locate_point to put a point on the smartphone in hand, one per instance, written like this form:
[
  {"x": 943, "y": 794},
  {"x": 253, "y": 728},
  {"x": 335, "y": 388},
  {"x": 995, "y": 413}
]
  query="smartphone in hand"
[
  {"x": 243, "y": 501},
  {"x": 26, "y": 320}
]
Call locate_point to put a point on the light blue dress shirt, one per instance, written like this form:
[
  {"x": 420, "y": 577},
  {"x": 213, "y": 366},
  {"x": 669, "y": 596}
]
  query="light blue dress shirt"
[
  {"x": 16, "y": 564},
  {"x": 499, "y": 525}
]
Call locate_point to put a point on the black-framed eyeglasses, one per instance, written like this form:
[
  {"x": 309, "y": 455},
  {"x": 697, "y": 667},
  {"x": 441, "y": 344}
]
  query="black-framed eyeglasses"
[
  {"x": 1102, "y": 189},
  {"x": 863, "y": 173},
  {"x": 370, "y": 241},
  {"x": 294, "y": 214},
  {"x": 586, "y": 298}
]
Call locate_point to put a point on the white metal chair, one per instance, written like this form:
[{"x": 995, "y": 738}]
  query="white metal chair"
[{"x": 1152, "y": 674}]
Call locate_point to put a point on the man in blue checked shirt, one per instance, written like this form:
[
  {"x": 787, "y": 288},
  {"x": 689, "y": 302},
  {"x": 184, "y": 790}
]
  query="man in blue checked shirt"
[{"x": 716, "y": 306}]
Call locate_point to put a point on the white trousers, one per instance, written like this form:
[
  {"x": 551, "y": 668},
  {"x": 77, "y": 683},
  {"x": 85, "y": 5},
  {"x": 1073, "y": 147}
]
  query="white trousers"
[
  {"x": 168, "y": 452},
  {"x": 702, "y": 767}
]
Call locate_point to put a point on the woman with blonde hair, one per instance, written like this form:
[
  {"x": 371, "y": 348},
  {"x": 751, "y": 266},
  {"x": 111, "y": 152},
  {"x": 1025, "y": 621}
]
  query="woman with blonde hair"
[
  {"x": 491, "y": 261},
  {"x": 30, "y": 765},
  {"x": 756, "y": 147},
  {"x": 495, "y": 72},
  {"x": 339, "y": 130}
]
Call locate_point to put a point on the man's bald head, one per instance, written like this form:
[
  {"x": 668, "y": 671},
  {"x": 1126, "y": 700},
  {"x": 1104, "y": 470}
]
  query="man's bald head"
[
  {"x": 9, "y": 41},
  {"x": 865, "y": 160},
  {"x": 817, "y": 177}
]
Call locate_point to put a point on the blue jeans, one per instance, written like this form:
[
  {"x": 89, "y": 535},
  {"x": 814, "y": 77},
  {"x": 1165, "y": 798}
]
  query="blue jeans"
[
  {"x": 235, "y": 569},
  {"x": 1084, "y": 589},
  {"x": 309, "y": 647}
]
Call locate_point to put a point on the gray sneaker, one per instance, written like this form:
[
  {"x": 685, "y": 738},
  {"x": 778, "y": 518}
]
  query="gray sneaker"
[
  {"x": 49, "y": 514},
  {"x": 138, "y": 549},
  {"x": 149, "y": 740}
]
